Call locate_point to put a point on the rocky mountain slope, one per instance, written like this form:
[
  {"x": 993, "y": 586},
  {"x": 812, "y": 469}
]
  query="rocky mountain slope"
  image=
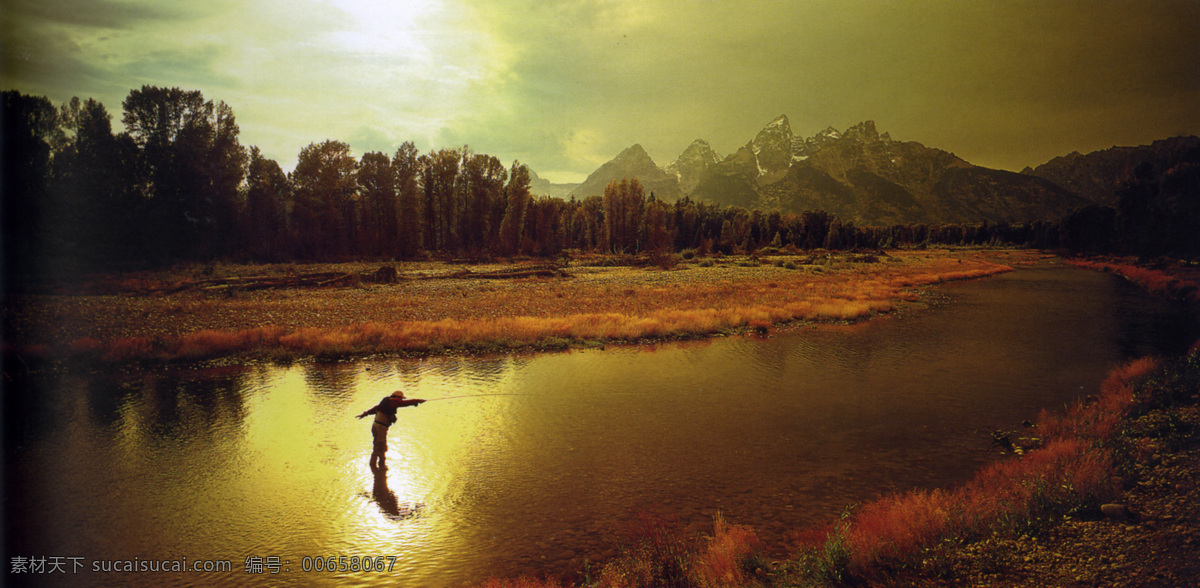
[
  {"x": 871, "y": 179},
  {"x": 690, "y": 166}
]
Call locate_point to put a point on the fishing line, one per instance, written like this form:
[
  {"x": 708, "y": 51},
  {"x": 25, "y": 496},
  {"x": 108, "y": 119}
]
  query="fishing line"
[{"x": 473, "y": 396}]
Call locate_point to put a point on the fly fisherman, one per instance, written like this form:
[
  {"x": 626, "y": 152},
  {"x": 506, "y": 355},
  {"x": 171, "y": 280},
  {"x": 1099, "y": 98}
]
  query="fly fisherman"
[{"x": 385, "y": 415}]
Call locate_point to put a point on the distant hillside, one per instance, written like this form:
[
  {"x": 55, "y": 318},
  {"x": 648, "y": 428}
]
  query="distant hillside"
[
  {"x": 1096, "y": 176},
  {"x": 633, "y": 162},
  {"x": 543, "y": 187}
]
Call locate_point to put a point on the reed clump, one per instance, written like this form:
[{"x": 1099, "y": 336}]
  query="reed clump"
[{"x": 657, "y": 552}]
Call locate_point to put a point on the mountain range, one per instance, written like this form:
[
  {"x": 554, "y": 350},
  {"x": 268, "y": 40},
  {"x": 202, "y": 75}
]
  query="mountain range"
[
  {"x": 1097, "y": 175},
  {"x": 870, "y": 179}
]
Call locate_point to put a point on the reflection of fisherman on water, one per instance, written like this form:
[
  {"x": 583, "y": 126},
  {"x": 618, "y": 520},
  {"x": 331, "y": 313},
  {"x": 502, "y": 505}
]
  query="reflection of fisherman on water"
[
  {"x": 384, "y": 496},
  {"x": 387, "y": 501},
  {"x": 385, "y": 415}
]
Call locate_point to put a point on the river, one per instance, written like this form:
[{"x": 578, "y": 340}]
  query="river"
[{"x": 557, "y": 454}]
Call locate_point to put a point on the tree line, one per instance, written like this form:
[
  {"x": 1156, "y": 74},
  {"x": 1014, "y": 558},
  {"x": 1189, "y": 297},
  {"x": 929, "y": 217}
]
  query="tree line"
[
  {"x": 177, "y": 185},
  {"x": 1157, "y": 214}
]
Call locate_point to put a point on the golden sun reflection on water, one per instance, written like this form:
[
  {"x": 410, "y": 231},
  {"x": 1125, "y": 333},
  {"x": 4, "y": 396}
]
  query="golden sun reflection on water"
[{"x": 303, "y": 425}]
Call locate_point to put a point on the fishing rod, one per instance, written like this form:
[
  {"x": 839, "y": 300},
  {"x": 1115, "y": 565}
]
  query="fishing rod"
[{"x": 473, "y": 396}]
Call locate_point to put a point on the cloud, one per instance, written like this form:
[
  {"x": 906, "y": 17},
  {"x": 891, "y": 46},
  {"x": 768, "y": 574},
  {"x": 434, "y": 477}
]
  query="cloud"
[
  {"x": 560, "y": 85},
  {"x": 95, "y": 13},
  {"x": 104, "y": 48},
  {"x": 989, "y": 80}
]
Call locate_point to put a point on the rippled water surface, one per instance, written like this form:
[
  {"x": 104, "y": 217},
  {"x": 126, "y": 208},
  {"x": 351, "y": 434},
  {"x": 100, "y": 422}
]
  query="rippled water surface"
[{"x": 558, "y": 454}]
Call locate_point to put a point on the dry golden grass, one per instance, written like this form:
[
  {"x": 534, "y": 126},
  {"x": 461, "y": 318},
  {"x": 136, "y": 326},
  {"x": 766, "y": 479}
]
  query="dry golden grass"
[{"x": 428, "y": 311}]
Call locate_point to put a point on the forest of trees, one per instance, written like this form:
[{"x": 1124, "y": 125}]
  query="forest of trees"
[
  {"x": 177, "y": 185},
  {"x": 1157, "y": 214}
]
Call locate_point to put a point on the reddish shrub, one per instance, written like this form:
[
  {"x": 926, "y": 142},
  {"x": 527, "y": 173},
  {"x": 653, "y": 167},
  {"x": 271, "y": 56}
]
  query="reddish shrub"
[
  {"x": 721, "y": 562},
  {"x": 1098, "y": 419},
  {"x": 1064, "y": 476},
  {"x": 894, "y": 528},
  {"x": 521, "y": 582},
  {"x": 656, "y": 553},
  {"x": 86, "y": 346},
  {"x": 133, "y": 348},
  {"x": 1155, "y": 281}
]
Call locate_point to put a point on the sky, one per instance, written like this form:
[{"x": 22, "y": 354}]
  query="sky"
[{"x": 565, "y": 86}]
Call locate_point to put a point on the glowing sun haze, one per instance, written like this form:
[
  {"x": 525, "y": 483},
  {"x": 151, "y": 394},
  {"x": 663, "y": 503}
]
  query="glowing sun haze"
[{"x": 565, "y": 86}]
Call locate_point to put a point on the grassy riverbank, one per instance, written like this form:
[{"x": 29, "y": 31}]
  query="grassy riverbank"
[
  {"x": 1110, "y": 482},
  {"x": 440, "y": 307},
  {"x": 1170, "y": 279}
]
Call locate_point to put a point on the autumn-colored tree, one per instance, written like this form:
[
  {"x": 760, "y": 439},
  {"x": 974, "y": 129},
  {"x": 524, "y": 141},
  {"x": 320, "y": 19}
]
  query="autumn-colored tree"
[
  {"x": 736, "y": 236},
  {"x": 324, "y": 187},
  {"x": 376, "y": 181},
  {"x": 816, "y": 228},
  {"x": 774, "y": 224},
  {"x": 407, "y": 167},
  {"x": 624, "y": 204},
  {"x": 195, "y": 163},
  {"x": 687, "y": 222},
  {"x": 726, "y": 242},
  {"x": 584, "y": 223},
  {"x": 757, "y": 228},
  {"x": 264, "y": 234},
  {"x": 659, "y": 236},
  {"x": 544, "y": 230},
  {"x": 94, "y": 192},
  {"x": 512, "y": 226},
  {"x": 482, "y": 184}
]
